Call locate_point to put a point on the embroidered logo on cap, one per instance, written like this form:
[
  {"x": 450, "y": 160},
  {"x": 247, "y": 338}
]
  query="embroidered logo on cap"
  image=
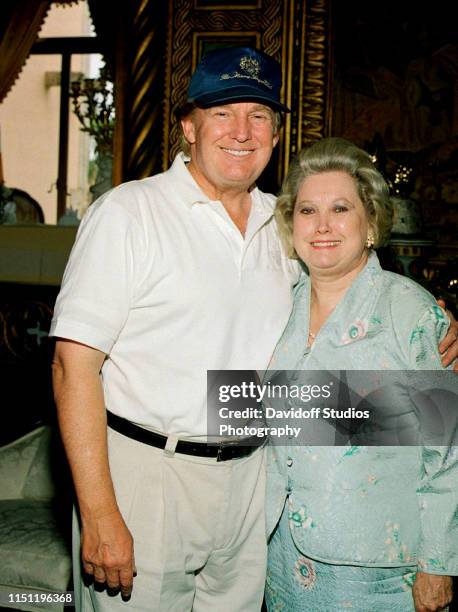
[{"x": 251, "y": 70}]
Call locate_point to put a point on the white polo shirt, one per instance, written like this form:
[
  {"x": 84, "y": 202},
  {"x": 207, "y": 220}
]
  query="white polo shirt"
[{"x": 162, "y": 281}]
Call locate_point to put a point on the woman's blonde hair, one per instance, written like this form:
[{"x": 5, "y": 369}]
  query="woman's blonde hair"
[{"x": 336, "y": 154}]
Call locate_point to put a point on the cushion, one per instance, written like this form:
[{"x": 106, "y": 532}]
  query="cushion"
[
  {"x": 33, "y": 551},
  {"x": 16, "y": 459},
  {"x": 43, "y": 474}
]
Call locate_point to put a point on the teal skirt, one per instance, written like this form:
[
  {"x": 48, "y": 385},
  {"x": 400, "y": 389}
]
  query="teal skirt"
[{"x": 296, "y": 583}]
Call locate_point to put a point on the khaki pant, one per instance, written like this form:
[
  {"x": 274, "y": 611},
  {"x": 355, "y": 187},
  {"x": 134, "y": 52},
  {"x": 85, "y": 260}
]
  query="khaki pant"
[{"x": 198, "y": 529}]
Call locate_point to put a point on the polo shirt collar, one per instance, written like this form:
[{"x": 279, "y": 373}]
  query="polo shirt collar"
[
  {"x": 192, "y": 194},
  {"x": 187, "y": 187}
]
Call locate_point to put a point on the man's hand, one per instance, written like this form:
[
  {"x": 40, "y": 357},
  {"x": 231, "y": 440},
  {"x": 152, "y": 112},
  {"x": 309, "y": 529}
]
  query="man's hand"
[
  {"x": 431, "y": 593},
  {"x": 107, "y": 552},
  {"x": 449, "y": 344},
  {"x": 106, "y": 543}
]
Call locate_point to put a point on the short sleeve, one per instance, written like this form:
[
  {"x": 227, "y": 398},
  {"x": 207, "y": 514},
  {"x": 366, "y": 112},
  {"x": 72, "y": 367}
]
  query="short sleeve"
[
  {"x": 100, "y": 278},
  {"x": 424, "y": 339}
]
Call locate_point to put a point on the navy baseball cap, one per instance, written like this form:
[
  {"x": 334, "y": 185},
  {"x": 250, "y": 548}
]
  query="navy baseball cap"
[{"x": 234, "y": 74}]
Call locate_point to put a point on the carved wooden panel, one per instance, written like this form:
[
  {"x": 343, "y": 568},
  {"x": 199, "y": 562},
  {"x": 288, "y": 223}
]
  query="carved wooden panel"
[
  {"x": 164, "y": 42},
  {"x": 141, "y": 51},
  {"x": 295, "y": 33}
]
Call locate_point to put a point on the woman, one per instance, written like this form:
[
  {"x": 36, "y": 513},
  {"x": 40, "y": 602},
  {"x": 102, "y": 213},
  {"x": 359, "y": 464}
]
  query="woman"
[{"x": 356, "y": 527}]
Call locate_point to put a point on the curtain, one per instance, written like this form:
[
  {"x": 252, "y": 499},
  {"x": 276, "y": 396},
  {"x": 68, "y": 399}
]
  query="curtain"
[
  {"x": 20, "y": 22},
  {"x": 106, "y": 16}
]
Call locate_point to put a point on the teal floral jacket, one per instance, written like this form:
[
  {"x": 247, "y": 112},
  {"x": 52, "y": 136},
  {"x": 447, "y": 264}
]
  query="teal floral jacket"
[{"x": 378, "y": 506}]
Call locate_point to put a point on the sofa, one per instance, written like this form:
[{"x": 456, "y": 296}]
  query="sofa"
[{"x": 35, "y": 516}]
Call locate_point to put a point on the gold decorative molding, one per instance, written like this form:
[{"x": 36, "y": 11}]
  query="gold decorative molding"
[
  {"x": 306, "y": 69},
  {"x": 227, "y": 6},
  {"x": 315, "y": 72},
  {"x": 144, "y": 92}
]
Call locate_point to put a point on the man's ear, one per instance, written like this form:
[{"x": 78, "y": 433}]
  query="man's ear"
[
  {"x": 189, "y": 129},
  {"x": 276, "y": 138}
]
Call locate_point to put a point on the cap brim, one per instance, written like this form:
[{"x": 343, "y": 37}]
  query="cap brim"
[{"x": 238, "y": 94}]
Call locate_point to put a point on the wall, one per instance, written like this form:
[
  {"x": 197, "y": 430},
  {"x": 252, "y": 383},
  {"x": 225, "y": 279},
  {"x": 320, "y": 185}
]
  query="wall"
[{"x": 29, "y": 120}]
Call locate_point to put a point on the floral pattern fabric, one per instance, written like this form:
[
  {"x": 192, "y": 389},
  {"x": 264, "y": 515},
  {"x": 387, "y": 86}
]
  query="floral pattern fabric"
[
  {"x": 358, "y": 506},
  {"x": 296, "y": 583}
]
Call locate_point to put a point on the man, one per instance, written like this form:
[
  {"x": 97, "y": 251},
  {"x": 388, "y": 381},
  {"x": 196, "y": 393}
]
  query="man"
[{"x": 170, "y": 277}]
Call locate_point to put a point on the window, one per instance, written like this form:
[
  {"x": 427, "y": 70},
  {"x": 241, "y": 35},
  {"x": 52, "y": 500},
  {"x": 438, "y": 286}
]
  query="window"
[{"x": 44, "y": 151}]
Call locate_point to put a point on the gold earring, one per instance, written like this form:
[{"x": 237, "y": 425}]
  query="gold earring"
[{"x": 370, "y": 240}]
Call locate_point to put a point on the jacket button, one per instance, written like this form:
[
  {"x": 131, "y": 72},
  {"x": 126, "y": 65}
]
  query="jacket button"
[{"x": 289, "y": 462}]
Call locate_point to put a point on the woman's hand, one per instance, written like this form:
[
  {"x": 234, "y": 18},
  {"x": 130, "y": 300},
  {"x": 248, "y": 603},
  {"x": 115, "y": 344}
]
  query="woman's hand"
[
  {"x": 449, "y": 344},
  {"x": 431, "y": 593}
]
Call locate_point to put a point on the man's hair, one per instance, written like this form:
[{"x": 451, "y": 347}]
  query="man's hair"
[
  {"x": 336, "y": 154},
  {"x": 188, "y": 109}
]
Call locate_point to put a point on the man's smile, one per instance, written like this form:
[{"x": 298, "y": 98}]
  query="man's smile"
[{"x": 238, "y": 152}]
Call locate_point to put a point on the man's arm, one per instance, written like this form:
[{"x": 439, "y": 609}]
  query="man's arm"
[
  {"x": 106, "y": 543},
  {"x": 448, "y": 348},
  {"x": 431, "y": 592}
]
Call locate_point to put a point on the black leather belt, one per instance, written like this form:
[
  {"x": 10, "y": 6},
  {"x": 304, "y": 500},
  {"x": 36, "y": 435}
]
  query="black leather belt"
[{"x": 223, "y": 451}]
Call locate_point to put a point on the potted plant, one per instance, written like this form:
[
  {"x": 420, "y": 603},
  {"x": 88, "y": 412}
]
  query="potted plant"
[{"x": 93, "y": 105}]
